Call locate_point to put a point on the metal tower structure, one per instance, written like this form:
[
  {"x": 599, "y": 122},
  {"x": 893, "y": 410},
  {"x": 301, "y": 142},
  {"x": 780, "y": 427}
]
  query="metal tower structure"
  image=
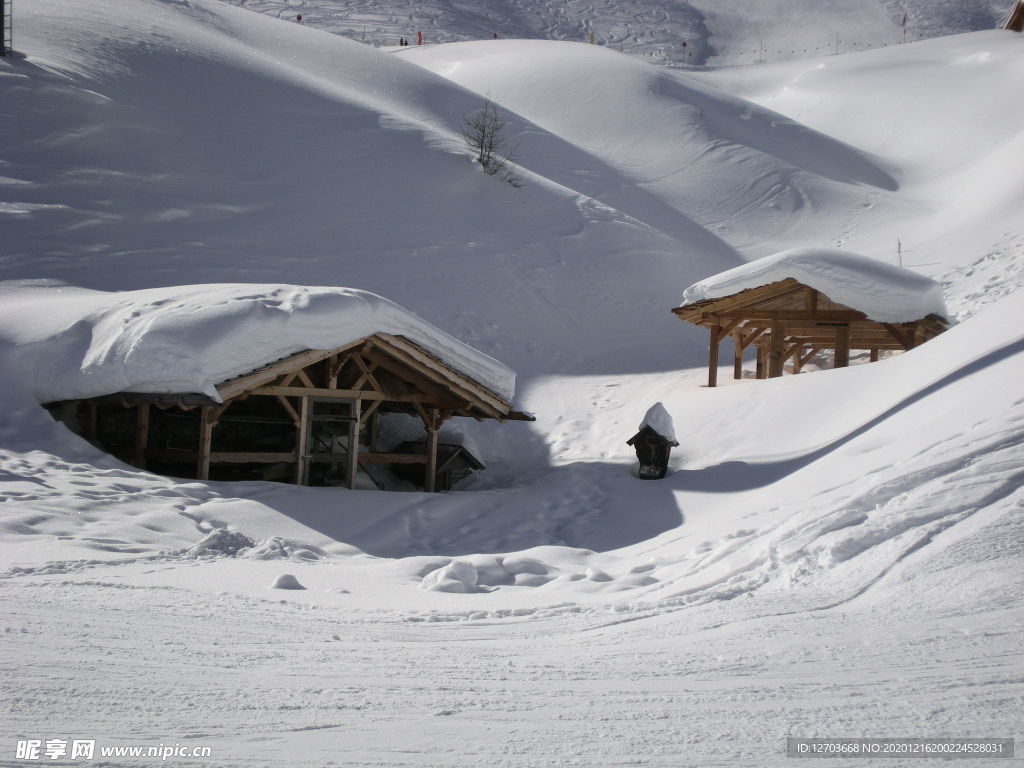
[{"x": 7, "y": 37}]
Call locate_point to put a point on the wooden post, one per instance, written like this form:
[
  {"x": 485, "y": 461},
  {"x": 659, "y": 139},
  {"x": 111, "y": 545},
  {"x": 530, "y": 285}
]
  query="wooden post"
[
  {"x": 842, "y": 346},
  {"x": 776, "y": 355},
  {"x": 353, "y": 445},
  {"x": 874, "y": 356},
  {"x": 206, "y": 423},
  {"x": 372, "y": 427},
  {"x": 737, "y": 362},
  {"x": 302, "y": 443},
  {"x": 713, "y": 354},
  {"x": 91, "y": 426},
  {"x": 911, "y": 337},
  {"x": 431, "y": 470},
  {"x": 797, "y": 360},
  {"x": 760, "y": 362},
  {"x": 332, "y": 375},
  {"x": 141, "y": 434}
]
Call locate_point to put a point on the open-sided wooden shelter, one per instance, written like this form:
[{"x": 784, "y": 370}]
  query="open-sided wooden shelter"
[
  {"x": 316, "y": 416},
  {"x": 786, "y": 319}
]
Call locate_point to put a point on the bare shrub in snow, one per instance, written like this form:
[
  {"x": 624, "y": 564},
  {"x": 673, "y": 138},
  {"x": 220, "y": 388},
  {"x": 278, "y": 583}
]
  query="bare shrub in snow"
[{"x": 484, "y": 135}]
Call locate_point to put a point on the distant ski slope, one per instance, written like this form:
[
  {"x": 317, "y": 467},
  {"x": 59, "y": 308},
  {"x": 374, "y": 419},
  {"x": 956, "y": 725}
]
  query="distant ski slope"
[{"x": 719, "y": 32}]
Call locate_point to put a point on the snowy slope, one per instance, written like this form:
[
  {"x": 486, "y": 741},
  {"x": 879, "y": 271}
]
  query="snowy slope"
[
  {"x": 723, "y": 32},
  {"x": 167, "y": 165},
  {"x": 943, "y": 114},
  {"x": 748, "y": 174}
]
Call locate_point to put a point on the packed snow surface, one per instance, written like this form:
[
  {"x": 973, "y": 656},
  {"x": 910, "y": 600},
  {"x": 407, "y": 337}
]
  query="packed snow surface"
[
  {"x": 885, "y": 293},
  {"x": 74, "y": 343}
]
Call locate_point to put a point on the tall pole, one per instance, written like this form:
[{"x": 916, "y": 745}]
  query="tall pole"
[{"x": 6, "y": 27}]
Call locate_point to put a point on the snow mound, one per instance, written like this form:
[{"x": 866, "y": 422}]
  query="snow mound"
[
  {"x": 458, "y": 576},
  {"x": 659, "y": 419},
  {"x": 286, "y": 581},
  {"x": 221, "y": 541},
  {"x": 455, "y": 434},
  {"x": 278, "y": 548},
  {"x": 885, "y": 293},
  {"x": 77, "y": 343}
]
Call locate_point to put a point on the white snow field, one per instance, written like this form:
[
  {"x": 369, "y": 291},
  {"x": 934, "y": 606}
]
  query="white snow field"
[{"x": 835, "y": 554}]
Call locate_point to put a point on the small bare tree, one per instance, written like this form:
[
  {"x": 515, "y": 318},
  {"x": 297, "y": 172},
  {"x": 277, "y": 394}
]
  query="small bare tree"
[{"x": 484, "y": 135}]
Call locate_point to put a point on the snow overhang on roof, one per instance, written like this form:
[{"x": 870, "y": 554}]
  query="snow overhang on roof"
[
  {"x": 884, "y": 292},
  {"x": 74, "y": 343}
]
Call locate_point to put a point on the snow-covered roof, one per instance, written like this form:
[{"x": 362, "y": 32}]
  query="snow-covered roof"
[
  {"x": 76, "y": 343},
  {"x": 884, "y": 292}
]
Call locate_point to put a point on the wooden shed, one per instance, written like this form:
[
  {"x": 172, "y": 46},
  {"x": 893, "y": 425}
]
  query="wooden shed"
[
  {"x": 788, "y": 320},
  {"x": 316, "y": 417}
]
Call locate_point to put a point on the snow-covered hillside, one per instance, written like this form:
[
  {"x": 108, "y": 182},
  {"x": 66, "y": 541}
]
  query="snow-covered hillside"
[
  {"x": 831, "y": 554},
  {"x": 717, "y": 32}
]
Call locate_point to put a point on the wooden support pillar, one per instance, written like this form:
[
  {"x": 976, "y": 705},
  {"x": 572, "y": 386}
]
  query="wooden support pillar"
[
  {"x": 372, "y": 427},
  {"x": 302, "y": 443},
  {"x": 431, "y": 473},
  {"x": 842, "y": 346},
  {"x": 760, "y": 362},
  {"x": 141, "y": 434},
  {"x": 332, "y": 373},
  {"x": 874, "y": 356},
  {"x": 206, "y": 423},
  {"x": 713, "y": 354},
  {"x": 353, "y": 444},
  {"x": 737, "y": 360},
  {"x": 805, "y": 359},
  {"x": 777, "y": 352},
  {"x": 797, "y": 360},
  {"x": 91, "y": 425},
  {"x": 911, "y": 337}
]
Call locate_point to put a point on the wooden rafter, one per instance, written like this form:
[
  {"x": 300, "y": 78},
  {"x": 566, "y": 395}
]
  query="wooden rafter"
[
  {"x": 367, "y": 374},
  {"x": 292, "y": 413},
  {"x": 270, "y": 372}
]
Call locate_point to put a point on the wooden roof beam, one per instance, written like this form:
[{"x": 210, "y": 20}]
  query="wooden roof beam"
[
  {"x": 413, "y": 356},
  {"x": 743, "y": 298},
  {"x": 268, "y": 373}
]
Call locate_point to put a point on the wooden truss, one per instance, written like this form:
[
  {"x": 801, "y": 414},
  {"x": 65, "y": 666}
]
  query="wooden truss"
[
  {"x": 788, "y": 320},
  {"x": 373, "y": 371}
]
